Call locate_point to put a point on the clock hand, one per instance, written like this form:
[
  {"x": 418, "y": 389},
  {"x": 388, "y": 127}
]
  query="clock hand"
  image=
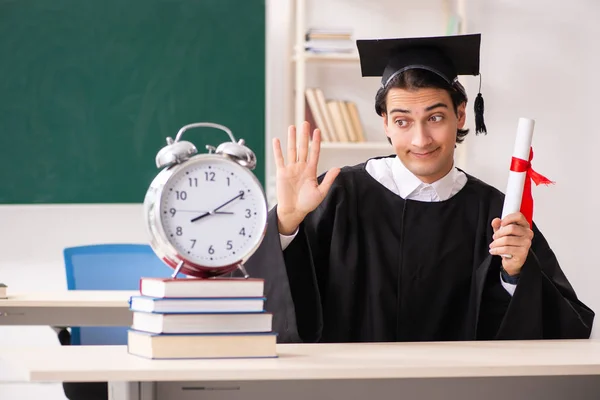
[
  {"x": 229, "y": 201},
  {"x": 200, "y": 217},
  {"x": 202, "y": 211},
  {"x": 216, "y": 210},
  {"x": 206, "y": 214}
]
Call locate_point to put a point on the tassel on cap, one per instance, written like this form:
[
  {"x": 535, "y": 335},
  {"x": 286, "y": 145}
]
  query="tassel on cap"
[{"x": 479, "y": 122}]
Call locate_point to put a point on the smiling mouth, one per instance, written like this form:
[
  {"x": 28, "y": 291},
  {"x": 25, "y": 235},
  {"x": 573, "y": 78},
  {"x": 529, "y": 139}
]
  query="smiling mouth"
[{"x": 425, "y": 154}]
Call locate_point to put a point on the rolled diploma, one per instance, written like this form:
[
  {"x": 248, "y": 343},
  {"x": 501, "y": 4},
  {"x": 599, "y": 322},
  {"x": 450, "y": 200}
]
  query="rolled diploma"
[{"x": 516, "y": 180}]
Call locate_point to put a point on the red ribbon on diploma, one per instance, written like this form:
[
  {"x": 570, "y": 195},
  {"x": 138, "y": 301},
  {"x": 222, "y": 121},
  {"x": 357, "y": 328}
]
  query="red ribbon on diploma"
[{"x": 519, "y": 165}]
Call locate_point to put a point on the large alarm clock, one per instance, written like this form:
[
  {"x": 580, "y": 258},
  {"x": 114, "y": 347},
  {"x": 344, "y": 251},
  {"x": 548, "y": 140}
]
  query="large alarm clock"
[{"x": 206, "y": 214}]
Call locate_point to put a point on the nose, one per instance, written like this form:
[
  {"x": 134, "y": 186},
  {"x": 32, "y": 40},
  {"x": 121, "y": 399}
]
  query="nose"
[{"x": 420, "y": 136}]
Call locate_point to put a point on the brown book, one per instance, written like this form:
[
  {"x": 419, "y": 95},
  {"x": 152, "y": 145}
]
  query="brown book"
[
  {"x": 191, "y": 346},
  {"x": 311, "y": 99},
  {"x": 309, "y": 117},
  {"x": 338, "y": 122},
  {"x": 356, "y": 122},
  {"x": 327, "y": 119},
  {"x": 347, "y": 121},
  {"x": 328, "y": 34}
]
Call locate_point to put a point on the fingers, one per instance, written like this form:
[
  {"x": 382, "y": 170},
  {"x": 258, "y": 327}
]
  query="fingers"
[
  {"x": 515, "y": 218},
  {"x": 500, "y": 250},
  {"x": 315, "y": 149},
  {"x": 328, "y": 181},
  {"x": 496, "y": 223},
  {"x": 291, "y": 145},
  {"x": 513, "y": 230},
  {"x": 299, "y": 154},
  {"x": 509, "y": 241},
  {"x": 513, "y": 224},
  {"x": 515, "y": 251},
  {"x": 277, "y": 153},
  {"x": 303, "y": 142}
]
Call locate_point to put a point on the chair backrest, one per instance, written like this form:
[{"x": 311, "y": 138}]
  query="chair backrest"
[{"x": 109, "y": 267}]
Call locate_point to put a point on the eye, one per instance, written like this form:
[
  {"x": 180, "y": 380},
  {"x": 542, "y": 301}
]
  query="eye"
[
  {"x": 401, "y": 123},
  {"x": 436, "y": 118}
]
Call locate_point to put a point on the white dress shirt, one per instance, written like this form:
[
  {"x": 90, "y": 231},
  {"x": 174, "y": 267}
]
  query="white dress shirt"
[{"x": 392, "y": 174}]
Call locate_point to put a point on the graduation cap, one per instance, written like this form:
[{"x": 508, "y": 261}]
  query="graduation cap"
[{"x": 446, "y": 56}]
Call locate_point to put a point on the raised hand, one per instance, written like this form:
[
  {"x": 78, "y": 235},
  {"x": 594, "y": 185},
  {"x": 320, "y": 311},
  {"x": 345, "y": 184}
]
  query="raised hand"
[{"x": 298, "y": 191}]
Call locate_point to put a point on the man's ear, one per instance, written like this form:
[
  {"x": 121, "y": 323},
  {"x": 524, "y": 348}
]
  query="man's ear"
[{"x": 461, "y": 114}]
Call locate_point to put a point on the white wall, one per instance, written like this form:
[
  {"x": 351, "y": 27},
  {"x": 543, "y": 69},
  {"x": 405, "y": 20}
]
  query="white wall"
[
  {"x": 278, "y": 81},
  {"x": 31, "y": 242},
  {"x": 539, "y": 60}
]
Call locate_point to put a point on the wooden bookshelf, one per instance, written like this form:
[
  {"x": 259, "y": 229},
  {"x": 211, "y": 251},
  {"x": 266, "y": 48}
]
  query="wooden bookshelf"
[{"x": 315, "y": 57}]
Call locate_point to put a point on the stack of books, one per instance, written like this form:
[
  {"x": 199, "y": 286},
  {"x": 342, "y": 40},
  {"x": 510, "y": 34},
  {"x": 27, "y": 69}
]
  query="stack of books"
[
  {"x": 329, "y": 41},
  {"x": 201, "y": 318}
]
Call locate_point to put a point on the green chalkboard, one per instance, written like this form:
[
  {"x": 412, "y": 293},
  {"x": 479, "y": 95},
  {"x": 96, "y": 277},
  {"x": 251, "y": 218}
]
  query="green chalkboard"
[{"x": 90, "y": 89}]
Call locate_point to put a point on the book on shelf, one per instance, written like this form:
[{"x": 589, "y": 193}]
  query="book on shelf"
[
  {"x": 356, "y": 123},
  {"x": 317, "y": 111},
  {"x": 338, "y": 120},
  {"x": 197, "y": 287},
  {"x": 329, "y": 41},
  {"x": 348, "y": 124},
  {"x": 186, "y": 346},
  {"x": 328, "y": 34},
  {"x": 310, "y": 118},
  {"x": 325, "y": 47},
  {"x": 335, "y": 110}
]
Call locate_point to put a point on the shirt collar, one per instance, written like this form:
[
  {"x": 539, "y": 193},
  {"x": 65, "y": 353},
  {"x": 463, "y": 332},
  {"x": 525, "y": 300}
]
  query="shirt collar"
[{"x": 407, "y": 183}]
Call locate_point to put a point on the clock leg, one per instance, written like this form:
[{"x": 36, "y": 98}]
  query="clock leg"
[
  {"x": 243, "y": 270},
  {"x": 177, "y": 269}
]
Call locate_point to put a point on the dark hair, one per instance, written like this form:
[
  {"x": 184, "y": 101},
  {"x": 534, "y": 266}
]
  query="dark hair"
[{"x": 419, "y": 79}]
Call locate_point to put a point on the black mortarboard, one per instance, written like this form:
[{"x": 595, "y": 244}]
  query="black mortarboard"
[{"x": 446, "y": 56}]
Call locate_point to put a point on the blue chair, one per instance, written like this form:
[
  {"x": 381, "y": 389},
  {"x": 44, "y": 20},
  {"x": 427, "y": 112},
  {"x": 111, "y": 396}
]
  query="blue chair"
[{"x": 109, "y": 267}]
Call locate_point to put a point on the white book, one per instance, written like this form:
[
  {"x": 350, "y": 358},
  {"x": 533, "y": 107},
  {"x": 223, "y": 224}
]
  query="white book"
[
  {"x": 196, "y": 305},
  {"x": 196, "y": 287},
  {"x": 202, "y": 322}
]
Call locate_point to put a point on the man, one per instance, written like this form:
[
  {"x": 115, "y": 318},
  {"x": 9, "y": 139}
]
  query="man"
[{"x": 408, "y": 247}]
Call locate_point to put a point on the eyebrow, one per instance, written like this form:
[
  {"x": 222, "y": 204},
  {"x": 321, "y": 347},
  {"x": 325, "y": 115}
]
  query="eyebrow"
[{"x": 432, "y": 107}]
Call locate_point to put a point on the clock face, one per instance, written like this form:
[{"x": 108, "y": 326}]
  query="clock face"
[{"x": 213, "y": 212}]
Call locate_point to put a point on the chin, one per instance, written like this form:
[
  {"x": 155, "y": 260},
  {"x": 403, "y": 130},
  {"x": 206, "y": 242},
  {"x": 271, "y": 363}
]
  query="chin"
[{"x": 425, "y": 171}]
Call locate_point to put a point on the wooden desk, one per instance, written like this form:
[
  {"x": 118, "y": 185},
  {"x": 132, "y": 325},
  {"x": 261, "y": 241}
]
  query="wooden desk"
[
  {"x": 376, "y": 366},
  {"x": 67, "y": 308}
]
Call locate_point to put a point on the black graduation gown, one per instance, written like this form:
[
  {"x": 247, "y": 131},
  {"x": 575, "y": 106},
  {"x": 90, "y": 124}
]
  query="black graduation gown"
[{"x": 370, "y": 266}]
